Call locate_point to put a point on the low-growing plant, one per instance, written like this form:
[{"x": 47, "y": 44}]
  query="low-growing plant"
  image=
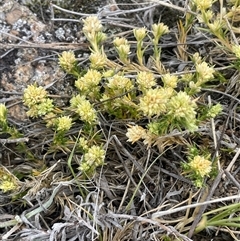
[{"x": 124, "y": 89}]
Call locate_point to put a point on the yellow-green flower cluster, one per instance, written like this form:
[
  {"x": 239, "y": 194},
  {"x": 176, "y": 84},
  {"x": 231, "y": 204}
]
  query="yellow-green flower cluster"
[
  {"x": 83, "y": 143},
  {"x": 217, "y": 27},
  {"x": 139, "y": 33},
  {"x": 92, "y": 29},
  {"x": 36, "y": 98},
  {"x": 182, "y": 108},
  {"x": 8, "y": 182},
  {"x": 120, "y": 41},
  {"x": 198, "y": 167},
  {"x": 98, "y": 60},
  {"x": 201, "y": 166},
  {"x": 187, "y": 78},
  {"x": 84, "y": 109},
  {"x": 205, "y": 73},
  {"x": 154, "y": 101},
  {"x": 145, "y": 80},
  {"x": 119, "y": 84},
  {"x": 67, "y": 61},
  {"x": 93, "y": 158},
  {"x": 196, "y": 58},
  {"x": 123, "y": 49},
  {"x": 159, "y": 29},
  {"x": 88, "y": 84},
  {"x": 64, "y": 123},
  {"x": 34, "y": 95},
  {"x": 7, "y": 186},
  {"x": 214, "y": 111},
  {"x": 108, "y": 73},
  {"x": 203, "y": 4},
  {"x": 170, "y": 80},
  {"x": 3, "y": 114},
  {"x": 205, "y": 17},
  {"x": 92, "y": 25}
]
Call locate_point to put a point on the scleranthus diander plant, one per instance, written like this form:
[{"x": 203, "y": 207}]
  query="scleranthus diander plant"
[{"x": 124, "y": 89}]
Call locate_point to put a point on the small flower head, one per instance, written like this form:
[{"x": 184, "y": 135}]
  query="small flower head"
[
  {"x": 92, "y": 24},
  {"x": 123, "y": 52},
  {"x": 187, "y": 77},
  {"x": 236, "y": 50},
  {"x": 214, "y": 111},
  {"x": 64, "y": 123},
  {"x": 93, "y": 158},
  {"x": 77, "y": 100},
  {"x": 145, "y": 80},
  {"x": 92, "y": 29},
  {"x": 41, "y": 109},
  {"x": 36, "y": 99},
  {"x": 45, "y": 107},
  {"x": 33, "y": 111},
  {"x": 8, "y": 182},
  {"x": 108, "y": 73},
  {"x": 123, "y": 48},
  {"x": 203, "y": 4},
  {"x": 84, "y": 109},
  {"x": 154, "y": 101},
  {"x": 201, "y": 166},
  {"x": 196, "y": 58},
  {"x": 205, "y": 17},
  {"x": 83, "y": 143},
  {"x": 135, "y": 133},
  {"x": 216, "y": 27},
  {"x": 120, "y": 84},
  {"x": 182, "y": 108},
  {"x": 67, "y": 61},
  {"x": 8, "y": 185},
  {"x": 153, "y": 127},
  {"x": 170, "y": 80},
  {"x": 195, "y": 87},
  {"x": 91, "y": 79},
  {"x": 86, "y": 112},
  {"x": 205, "y": 72},
  {"x": 100, "y": 37},
  {"x": 120, "y": 41},
  {"x": 98, "y": 60},
  {"x": 159, "y": 29},
  {"x": 3, "y": 114},
  {"x": 140, "y": 33},
  {"x": 34, "y": 95}
]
